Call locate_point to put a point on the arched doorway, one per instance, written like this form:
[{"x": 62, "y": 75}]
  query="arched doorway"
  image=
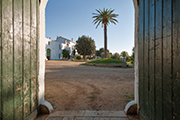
[
  {"x": 157, "y": 37},
  {"x": 166, "y": 31},
  {"x": 42, "y": 36}
]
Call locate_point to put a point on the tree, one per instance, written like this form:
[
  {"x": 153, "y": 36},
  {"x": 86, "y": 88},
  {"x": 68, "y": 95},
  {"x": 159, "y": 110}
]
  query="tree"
[
  {"x": 105, "y": 17},
  {"x": 85, "y": 46},
  {"x": 108, "y": 55},
  {"x": 132, "y": 56},
  {"x": 124, "y": 54},
  {"x": 74, "y": 52},
  {"x": 116, "y": 56},
  {"x": 98, "y": 52},
  {"x": 65, "y": 53}
]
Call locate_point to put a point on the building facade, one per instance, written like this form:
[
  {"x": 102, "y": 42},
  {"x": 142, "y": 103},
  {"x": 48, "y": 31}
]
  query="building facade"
[{"x": 54, "y": 48}]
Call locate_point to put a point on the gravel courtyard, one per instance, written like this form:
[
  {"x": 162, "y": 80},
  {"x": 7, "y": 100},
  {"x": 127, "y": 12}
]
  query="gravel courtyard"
[{"x": 71, "y": 86}]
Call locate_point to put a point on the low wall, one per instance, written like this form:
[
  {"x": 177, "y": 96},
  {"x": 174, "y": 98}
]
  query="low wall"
[{"x": 110, "y": 64}]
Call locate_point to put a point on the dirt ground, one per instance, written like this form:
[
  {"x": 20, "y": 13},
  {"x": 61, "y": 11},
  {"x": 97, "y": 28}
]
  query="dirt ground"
[{"x": 70, "y": 86}]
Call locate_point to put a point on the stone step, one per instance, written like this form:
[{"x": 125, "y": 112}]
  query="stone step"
[{"x": 87, "y": 115}]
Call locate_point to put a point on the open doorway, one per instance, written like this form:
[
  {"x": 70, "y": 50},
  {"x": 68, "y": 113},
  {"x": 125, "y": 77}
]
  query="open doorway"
[
  {"x": 91, "y": 96},
  {"x": 48, "y": 54}
]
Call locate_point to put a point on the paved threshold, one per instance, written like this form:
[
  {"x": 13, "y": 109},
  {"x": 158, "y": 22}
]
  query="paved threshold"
[{"x": 87, "y": 115}]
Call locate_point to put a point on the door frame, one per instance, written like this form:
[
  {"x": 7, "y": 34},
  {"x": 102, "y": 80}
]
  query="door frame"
[{"x": 42, "y": 52}]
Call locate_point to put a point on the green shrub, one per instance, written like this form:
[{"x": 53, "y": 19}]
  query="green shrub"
[{"x": 78, "y": 57}]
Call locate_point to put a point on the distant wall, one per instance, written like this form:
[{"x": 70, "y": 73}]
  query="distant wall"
[{"x": 57, "y": 47}]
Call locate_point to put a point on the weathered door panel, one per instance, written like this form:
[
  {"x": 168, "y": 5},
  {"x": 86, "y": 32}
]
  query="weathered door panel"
[
  {"x": 18, "y": 81},
  {"x": 159, "y": 58},
  {"x": 27, "y": 57},
  {"x": 0, "y": 59},
  {"x": 33, "y": 55},
  {"x": 176, "y": 60},
  {"x": 167, "y": 60},
  {"x": 151, "y": 59},
  {"x": 18, "y": 58},
  {"x": 7, "y": 60}
]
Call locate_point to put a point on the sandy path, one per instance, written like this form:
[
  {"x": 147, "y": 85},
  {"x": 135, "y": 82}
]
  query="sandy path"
[{"x": 71, "y": 86}]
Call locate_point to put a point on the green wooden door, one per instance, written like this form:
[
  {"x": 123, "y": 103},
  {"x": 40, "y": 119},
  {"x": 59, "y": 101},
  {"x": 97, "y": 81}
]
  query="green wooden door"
[
  {"x": 18, "y": 58},
  {"x": 159, "y": 59}
]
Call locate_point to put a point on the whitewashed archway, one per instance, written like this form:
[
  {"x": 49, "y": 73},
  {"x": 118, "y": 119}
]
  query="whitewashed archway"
[{"x": 42, "y": 55}]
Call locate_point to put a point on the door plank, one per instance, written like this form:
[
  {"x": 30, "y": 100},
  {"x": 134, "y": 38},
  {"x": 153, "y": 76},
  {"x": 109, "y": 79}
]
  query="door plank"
[
  {"x": 140, "y": 53},
  {"x": 158, "y": 60},
  {"x": 18, "y": 105},
  {"x": 167, "y": 60},
  {"x": 27, "y": 59},
  {"x": 176, "y": 59},
  {"x": 146, "y": 57},
  {"x": 151, "y": 59},
  {"x": 33, "y": 56},
  {"x": 7, "y": 60},
  {"x": 0, "y": 58}
]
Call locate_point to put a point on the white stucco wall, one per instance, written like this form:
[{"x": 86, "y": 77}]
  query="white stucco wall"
[
  {"x": 57, "y": 46},
  {"x": 136, "y": 66},
  {"x": 42, "y": 51}
]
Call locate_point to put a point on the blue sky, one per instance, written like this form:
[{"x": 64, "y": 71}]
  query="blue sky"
[{"x": 73, "y": 18}]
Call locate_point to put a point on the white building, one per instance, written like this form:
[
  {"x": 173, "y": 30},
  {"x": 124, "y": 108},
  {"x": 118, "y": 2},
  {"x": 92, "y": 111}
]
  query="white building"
[{"x": 54, "y": 48}]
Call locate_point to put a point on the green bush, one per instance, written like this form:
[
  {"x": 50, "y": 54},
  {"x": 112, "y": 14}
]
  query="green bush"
[{"x": 78, "y": 57}]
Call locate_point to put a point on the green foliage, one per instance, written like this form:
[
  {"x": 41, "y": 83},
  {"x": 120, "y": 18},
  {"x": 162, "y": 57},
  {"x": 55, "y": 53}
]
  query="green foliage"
[
  {"x": 116, "y": 56},
  {"x": 108, "y": 55},
  {"x": 98, "y": 52},
  {"x": 129, "y": 63},
  {"x": 104, "y": 16},
  {"x": 124, "y": 54},
  {"x": 78, "y": 57},
  {"x": 128, "y": 58},
  {"x": 85, "y": 46},
  {"x": 132, "y": 56},
  {"x": 74, "y": 52},
  {"x": 66, "y": 53},
  {"x": 106, "y": 60}
]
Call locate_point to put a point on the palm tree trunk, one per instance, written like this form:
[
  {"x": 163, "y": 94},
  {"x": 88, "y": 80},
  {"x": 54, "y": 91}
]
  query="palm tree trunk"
[{"x": 105, "y": 40}]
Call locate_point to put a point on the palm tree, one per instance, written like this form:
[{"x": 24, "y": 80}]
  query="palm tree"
[
  {"x": 124, "y": 54},
  {"x": 105, "y": 17}
]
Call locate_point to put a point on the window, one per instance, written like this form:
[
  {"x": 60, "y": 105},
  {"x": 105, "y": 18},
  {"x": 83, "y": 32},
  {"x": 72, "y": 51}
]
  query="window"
[
  {"x": 59, "y": 56},
  {"x": 49, "y": 43},
  {"x": 59, "y": 46}
]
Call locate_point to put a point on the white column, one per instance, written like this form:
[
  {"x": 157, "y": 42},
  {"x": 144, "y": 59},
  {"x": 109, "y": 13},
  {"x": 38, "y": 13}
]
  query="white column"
[
  {"x": 133, "y": 106},
  {"x": 136, "y": 67},
  {"x": 42, "y": 51}
]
